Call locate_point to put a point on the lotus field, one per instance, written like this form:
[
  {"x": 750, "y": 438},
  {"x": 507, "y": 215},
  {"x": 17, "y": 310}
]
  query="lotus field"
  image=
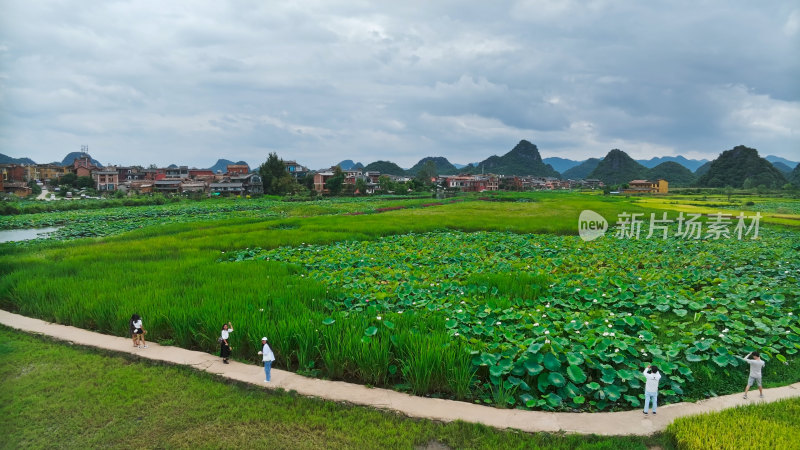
[{"x": 557, "y": 323}]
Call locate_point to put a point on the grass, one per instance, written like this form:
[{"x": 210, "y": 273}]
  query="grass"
[
  {"x": 772, "y": 425},
  {"x": 56, "y": 394}
]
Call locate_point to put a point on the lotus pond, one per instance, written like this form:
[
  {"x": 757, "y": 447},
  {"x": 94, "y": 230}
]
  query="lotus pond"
[{"x": 552, "y": 322}]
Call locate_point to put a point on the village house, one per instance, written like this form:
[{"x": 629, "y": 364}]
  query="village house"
[
  {"x": 50, "y": 172},
  {"x": 244, "y": 184},
  {"x": 193, "y": 186},
  {"x": 167, "y": 186},
  {"x": 237, "y": 169},
  {"x": 106, "y": 179},
  {"x": 660, "y": 186},
  {"x": 83, "y": 166},
  {"x": 18, "y": 188},
  {"x": 141, "y": 186},
  {"x": 592, "y": 183},
  {"x": 473, "y": 183},
  {"x": 13, "y": 172},
  {"x": 181, "y": 172},
  {"x": 320, "y": 178},
  {"x": 295, "y": 170},
  {"x": 251, "y": 183}
]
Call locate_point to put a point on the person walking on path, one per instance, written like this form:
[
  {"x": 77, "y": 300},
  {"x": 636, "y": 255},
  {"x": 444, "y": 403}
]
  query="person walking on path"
[
  {"x": 652, "y": 376},
  {"x": 137, "y": 331},
  {"x": 224, "y": 346},
  {"x": 267, "y": 357},
  {"x": 756, "y": 364}
]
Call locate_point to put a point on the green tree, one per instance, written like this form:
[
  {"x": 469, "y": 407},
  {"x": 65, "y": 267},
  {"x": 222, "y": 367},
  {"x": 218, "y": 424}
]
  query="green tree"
[
  {"x": 336, "y": 182},
  {"x": 274, "y": 176},
  {"x": 385, "y": 184},
  {"x": 729, "y": 191},
  {"x": 84, "y": 182},
  {"x": 426, "y": 173},
  {"x": 68, "y": 179},
  {"x": 361, "y": 186},
  {"x": 35, "y": 188}
]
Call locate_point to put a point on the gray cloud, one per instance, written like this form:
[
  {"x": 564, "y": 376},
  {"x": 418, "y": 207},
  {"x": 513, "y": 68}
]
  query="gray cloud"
[{"x": 190, "y": 82}]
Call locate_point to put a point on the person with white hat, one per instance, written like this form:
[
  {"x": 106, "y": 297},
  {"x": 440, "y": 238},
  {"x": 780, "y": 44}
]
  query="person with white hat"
[{"x": 267, "y": 357}]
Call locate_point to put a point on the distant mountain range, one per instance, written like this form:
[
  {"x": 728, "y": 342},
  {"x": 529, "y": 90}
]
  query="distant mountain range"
[
  {"x": 222, "y": 165},
  {"x": 4, "y": 159},
  {"x": 733, "y": 167},
  {"x": 348, "y": 164}
]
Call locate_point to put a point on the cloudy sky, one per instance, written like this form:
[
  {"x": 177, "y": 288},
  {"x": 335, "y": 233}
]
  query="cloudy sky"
[{"x": 188, "y": 82}]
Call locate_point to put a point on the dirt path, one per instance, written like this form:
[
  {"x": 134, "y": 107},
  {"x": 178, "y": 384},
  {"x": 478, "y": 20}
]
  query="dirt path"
[{"x": 609, "y": 423}]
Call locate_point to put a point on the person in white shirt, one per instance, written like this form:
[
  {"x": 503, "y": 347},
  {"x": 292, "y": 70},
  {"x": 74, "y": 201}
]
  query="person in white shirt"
[
  {"x": 652, "y": 376},
  {"x": 137, "y": 331},
  {"x": 224, "y": 346},
  {"x": 755, "y": 372},
  {"x": 267, "y": 357}
]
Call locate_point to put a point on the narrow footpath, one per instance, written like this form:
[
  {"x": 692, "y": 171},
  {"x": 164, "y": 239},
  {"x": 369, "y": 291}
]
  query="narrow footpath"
[{"x": 606, "y": 423}]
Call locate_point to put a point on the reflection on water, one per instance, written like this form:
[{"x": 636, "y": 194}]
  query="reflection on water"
[{"x": 25, "y": 235}]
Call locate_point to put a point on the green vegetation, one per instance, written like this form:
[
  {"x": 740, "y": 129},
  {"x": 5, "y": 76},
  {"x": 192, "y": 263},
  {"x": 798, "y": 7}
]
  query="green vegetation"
[
  {"x": 566, "y": 324},
  {"x": 772, "y": 425},
  {"x": 617, "y": 168},
  {"x": 741, "y": 167},
  {"x": 523, "y": 159},
  {"x": 55, "y": 394},
  {"x": 385, "y": 168},
  {"x": 108, "y": 217},
  {"x": 173, "y": 277},
  {"x": 441, "y": 166},
  {"x": 674, "y": 173},
  {"x": 582, "y": 170},
  {"x": 276, "y": 180}
]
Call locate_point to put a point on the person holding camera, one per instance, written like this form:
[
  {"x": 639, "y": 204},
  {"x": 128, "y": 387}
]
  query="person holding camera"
[{"x": 652, "y": 376}]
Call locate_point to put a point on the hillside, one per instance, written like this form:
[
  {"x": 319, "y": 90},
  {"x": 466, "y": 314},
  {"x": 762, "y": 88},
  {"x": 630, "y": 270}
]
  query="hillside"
[
  {"x": 582, "y": 170},
  {"x": 782, "y": 168},
  {"x": 523, "y": 159},
  {"x": 691, "y": 164},
  {"x": 561, "y": 165},
  {"x": 72, "y": 156},
  {"x": 773, "y": 159},
  {"x": 385, "y": 167},
  {"x": 5, "y": 159},
  {"x": 222, "y": 165},
  {"x": 794, "y": 178},
  {"x": 741, "y": 167},
  {"x": 617, "y": 168},
  {"x": 443, "y": 166},
  {"x": 702, "y": 169},
  {"x": 674, "y": 173}
]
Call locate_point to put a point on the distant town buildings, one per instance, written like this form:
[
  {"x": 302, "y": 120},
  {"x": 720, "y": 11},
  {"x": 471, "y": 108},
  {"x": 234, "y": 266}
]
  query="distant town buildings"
[{"x": 239, "y": 180}]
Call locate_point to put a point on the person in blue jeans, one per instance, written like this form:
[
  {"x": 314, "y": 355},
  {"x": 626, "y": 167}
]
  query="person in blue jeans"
[
  {"x": 652, "y": 376},
  {"x": 267, "y": 356}
]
